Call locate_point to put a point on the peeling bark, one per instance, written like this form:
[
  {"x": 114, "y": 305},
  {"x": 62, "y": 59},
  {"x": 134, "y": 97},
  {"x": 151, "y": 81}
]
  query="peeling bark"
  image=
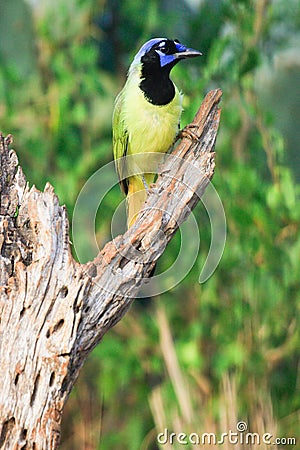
[{"x": 53, "y": 310}]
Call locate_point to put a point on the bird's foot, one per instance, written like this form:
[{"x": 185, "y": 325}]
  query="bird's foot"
[{"x": 187, "y": 132}]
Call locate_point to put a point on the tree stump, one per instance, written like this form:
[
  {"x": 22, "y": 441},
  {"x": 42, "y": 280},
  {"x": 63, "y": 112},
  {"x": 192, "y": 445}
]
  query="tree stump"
[{"x": 53, "y": 310}]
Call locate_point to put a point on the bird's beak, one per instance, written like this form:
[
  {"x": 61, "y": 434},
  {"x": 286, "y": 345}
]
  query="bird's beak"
[{"x": 188, "y": 53}]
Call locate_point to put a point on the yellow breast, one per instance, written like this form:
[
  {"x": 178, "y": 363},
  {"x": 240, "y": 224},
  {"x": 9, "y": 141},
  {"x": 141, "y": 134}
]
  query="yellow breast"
[{"x": 151, "y": 128}]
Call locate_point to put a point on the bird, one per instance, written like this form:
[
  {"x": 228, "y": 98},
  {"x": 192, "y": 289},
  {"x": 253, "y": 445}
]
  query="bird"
[{"x": 146, "y": 117}]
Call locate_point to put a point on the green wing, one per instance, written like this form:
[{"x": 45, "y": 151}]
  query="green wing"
[{"x": 120, "y": 142}]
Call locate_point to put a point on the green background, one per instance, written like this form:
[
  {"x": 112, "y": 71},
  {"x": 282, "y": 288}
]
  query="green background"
[{"x": 198, "y": 358}]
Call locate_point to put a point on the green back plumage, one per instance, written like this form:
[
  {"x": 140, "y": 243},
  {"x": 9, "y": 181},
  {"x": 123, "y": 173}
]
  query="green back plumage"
[{"x": 120, "y": 142}]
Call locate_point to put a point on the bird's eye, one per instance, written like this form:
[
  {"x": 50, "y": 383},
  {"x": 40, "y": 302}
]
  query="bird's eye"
[
  {"x": 167, "y": 47},
  {"x": 162, "y": 47}
]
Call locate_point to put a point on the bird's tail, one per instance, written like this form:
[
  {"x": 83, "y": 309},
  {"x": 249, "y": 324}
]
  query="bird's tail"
[{"x": 137, "y": 195}]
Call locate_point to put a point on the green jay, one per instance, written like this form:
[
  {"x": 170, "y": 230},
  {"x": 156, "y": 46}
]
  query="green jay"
[{"x": 146, "y": 116}]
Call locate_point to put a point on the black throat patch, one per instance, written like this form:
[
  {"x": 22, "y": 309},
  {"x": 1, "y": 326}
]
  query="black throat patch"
[{"x": 155, "y": 82}]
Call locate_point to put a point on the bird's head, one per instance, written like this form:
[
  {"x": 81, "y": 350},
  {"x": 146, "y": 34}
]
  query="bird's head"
[{"x": 161, "y": 54}]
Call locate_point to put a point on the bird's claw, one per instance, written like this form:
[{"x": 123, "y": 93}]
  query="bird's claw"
[{"x": 187, "y": 132}]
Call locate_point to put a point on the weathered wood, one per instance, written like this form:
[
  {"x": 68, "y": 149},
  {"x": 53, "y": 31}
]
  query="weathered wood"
[{"x": 53, "y": 310}]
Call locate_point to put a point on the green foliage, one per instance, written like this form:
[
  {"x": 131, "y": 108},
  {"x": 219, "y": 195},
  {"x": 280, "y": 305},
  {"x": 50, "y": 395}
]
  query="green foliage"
[{"x": 237, "y": 335}]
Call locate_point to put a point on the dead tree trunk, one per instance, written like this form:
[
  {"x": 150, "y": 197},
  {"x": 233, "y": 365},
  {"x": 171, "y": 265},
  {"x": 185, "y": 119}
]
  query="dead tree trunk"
[{"x": 53, "y": 310}]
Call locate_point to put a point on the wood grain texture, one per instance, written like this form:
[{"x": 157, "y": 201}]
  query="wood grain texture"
[{"x": 53, "y": 310}]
